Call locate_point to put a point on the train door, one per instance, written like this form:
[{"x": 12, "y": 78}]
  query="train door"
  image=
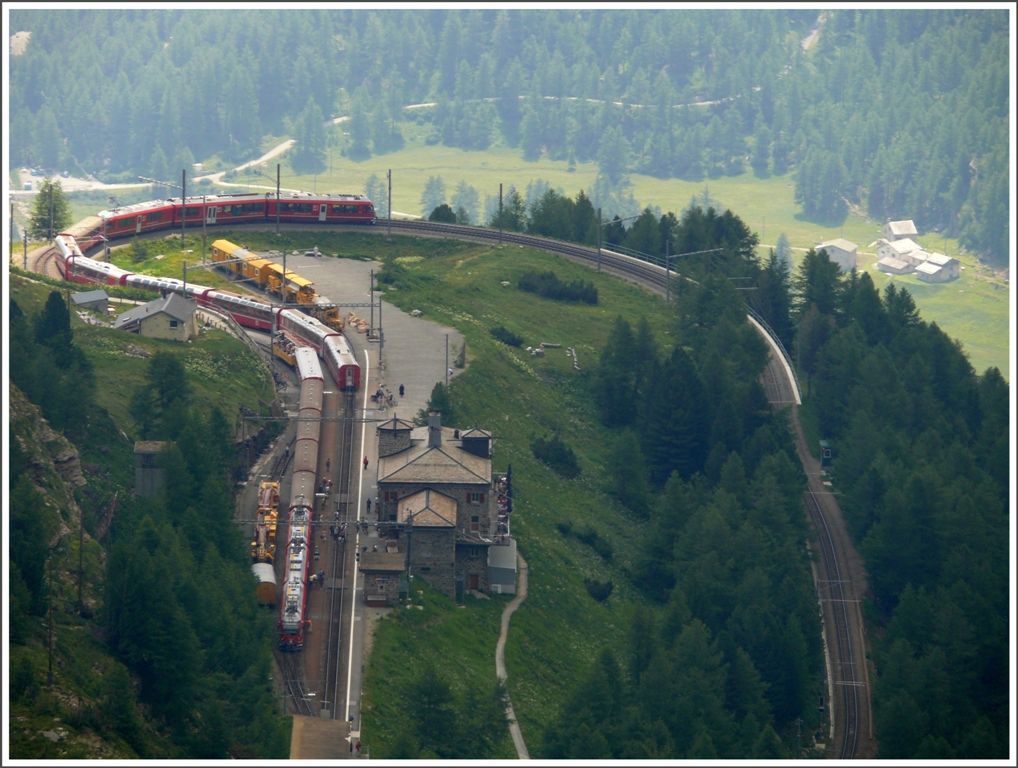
[
  {"x": 210, "y": 214},
  {"x": 137, "y": 224},
  {"x": 321, "y": 212},
  {"x": 349, "y": 383}
]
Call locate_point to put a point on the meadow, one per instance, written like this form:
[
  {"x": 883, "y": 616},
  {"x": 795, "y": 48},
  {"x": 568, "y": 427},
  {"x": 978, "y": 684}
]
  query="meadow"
[{"x": 973, "y": 309}]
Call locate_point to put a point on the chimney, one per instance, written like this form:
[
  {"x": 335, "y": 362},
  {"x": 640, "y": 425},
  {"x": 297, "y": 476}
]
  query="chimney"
[{"x": 434, "y": 430}]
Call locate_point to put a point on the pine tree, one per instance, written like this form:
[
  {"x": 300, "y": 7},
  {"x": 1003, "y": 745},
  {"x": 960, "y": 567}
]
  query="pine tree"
[{"x": 40, "y": 225}]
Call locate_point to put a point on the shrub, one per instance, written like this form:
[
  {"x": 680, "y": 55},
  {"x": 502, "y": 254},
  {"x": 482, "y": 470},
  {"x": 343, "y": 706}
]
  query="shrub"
[
  {"x": 506, "y": 336},
  {"x": 599, "y": 590},
  {"x": 443, "y": 214},
  {"x": 557, "y": 455},
  {"x": 595, "y": 541},
  {"x": 548, "y": 285},
  {"x": 138, "y": 250}
]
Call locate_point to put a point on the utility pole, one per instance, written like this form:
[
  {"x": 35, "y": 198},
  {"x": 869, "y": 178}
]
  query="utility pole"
[
  {"x": 286, "y": 283},
  {"x": 183, "y": 204},
  {"x": 447, "y": 360},
  {"x": 598, "y": 239},
  {"x": 51, "y": 212},
  {"x": 388, "y": 232},
  {"x": 499, "y": 223},
  {"x": 204, "y": 236},
  {"x": 381, "y": 333},
  {"x": 668, "y": 293},
  {"x": 371, "y": 292},
  {"x": 277, "y": 215},
  {"x": 185, "y": 278},
  {"x": 24, "y": 234}
]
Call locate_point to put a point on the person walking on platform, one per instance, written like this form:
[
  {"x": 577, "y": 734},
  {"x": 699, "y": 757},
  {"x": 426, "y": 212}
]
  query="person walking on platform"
[
  {"x": 369, "y": 506},
  {"x": 365, "y": 462},
  {"x": 328, "y": 463}
]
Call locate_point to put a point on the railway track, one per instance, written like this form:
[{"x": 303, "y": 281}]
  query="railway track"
[
  {"x": 845, "y": 683},
  {"x": 295, "y": 689},
  {"x": 346, "y": 463}
]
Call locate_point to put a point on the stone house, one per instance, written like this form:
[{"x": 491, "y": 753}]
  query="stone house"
[
  {"x": 841, "y": 251},
  {"x": 938, "y": 268},
  {"x": 435, "y": 487},
  {"x": 897, "y": 230},
  {"x": 171, "y": 317}
]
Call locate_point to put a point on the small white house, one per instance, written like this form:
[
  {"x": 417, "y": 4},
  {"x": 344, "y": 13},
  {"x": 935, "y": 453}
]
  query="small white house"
[
  {"x": 896, "y": 249},
  {"x": 938, "y": 268},
  {"x": 894, "y": 266},
  {"x": 897, "y": 230},
  {"x": 842, "y": 252}
]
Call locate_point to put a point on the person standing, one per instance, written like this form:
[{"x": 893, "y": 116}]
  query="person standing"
[
  {"x": 369, "y": 506},
  {"x": 365, "y": 462},
  {"x": 328, "y": 464},
  {"x": 401, "y": 390}
]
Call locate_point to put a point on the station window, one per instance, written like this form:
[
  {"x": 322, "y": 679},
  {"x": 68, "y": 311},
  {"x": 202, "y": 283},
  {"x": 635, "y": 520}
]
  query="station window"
[
  {"x": 390, "y": 496},
  {"x": 475, "y": 523},
  {"x": 476, "y": 498}
]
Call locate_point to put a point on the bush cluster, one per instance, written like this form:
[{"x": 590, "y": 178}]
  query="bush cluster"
[
  {"x": 589, "y": 536},
  {"x": 599, "y": 590},
  {"x": 557, "y": 455},
  {"x": 548, "y": 285},
  {"x": 506, "y": 336}
]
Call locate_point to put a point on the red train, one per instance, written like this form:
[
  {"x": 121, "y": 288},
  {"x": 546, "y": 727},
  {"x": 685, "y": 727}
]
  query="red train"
[{"x": 214, "y": 210}]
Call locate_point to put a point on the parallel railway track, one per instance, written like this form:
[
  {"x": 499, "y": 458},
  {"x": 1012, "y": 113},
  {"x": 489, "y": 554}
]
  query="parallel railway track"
[
  {"x": 346, "y": 462},
  {"x": 845, "y": 710}
]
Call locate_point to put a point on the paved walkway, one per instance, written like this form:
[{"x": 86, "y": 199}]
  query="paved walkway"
[{"x": 521, "y": 595}]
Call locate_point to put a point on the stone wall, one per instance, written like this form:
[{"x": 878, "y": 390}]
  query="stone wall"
[
  {"x": 472, "y": 560},
  {"x": 433, "y": 558}
]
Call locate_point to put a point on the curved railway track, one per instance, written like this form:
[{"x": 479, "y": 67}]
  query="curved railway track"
[{"x": 843, "y": 627}]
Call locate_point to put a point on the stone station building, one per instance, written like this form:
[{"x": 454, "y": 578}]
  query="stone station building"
[{"x": 435, "y": 487}]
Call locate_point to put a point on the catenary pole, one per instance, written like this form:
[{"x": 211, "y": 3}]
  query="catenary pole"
[
  {"x": 598, "y": 239},
  {"x": 499, "y": 216},
  {"x": 277, "y": 215},
  {"x": 51, "y": 212},
  {"x": 388, "y": 233}
]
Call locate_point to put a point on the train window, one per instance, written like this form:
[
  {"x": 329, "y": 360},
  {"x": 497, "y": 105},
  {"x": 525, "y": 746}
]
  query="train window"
[
  {"x": 252, "y": 207},
  {"x": 193, "y": 211},
  {"x": 154, "y": 216},
  {"x": 128, "y": 222},
  {"x": 344, "y": 208},
  {"x": 236, "y": 209}
]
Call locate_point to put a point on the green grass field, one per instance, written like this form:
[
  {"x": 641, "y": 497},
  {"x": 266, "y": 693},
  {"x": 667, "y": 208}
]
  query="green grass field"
[{"x": 974, "y": 309}]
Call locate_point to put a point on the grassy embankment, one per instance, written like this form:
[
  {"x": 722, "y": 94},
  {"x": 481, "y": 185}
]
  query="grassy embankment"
[
  {"x": 559, "y": 629},
  {"x": 224, "y": 373}
]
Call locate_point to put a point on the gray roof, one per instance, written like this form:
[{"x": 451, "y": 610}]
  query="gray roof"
[
  {"x": 502, "y": 556},
  {"x": 940, "y": 259},
  {"x": 448, "y": 463},
  {"x": 904, "y": 246},
  {"x": 905, "y": 227},
  {"x": 892, "y": 263},
  {"x": 173, "y": 305},
  {"x": 930, "y": 269},
  {"x": 839, "y": 242},
  {"x": 88, "y": 297}
]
